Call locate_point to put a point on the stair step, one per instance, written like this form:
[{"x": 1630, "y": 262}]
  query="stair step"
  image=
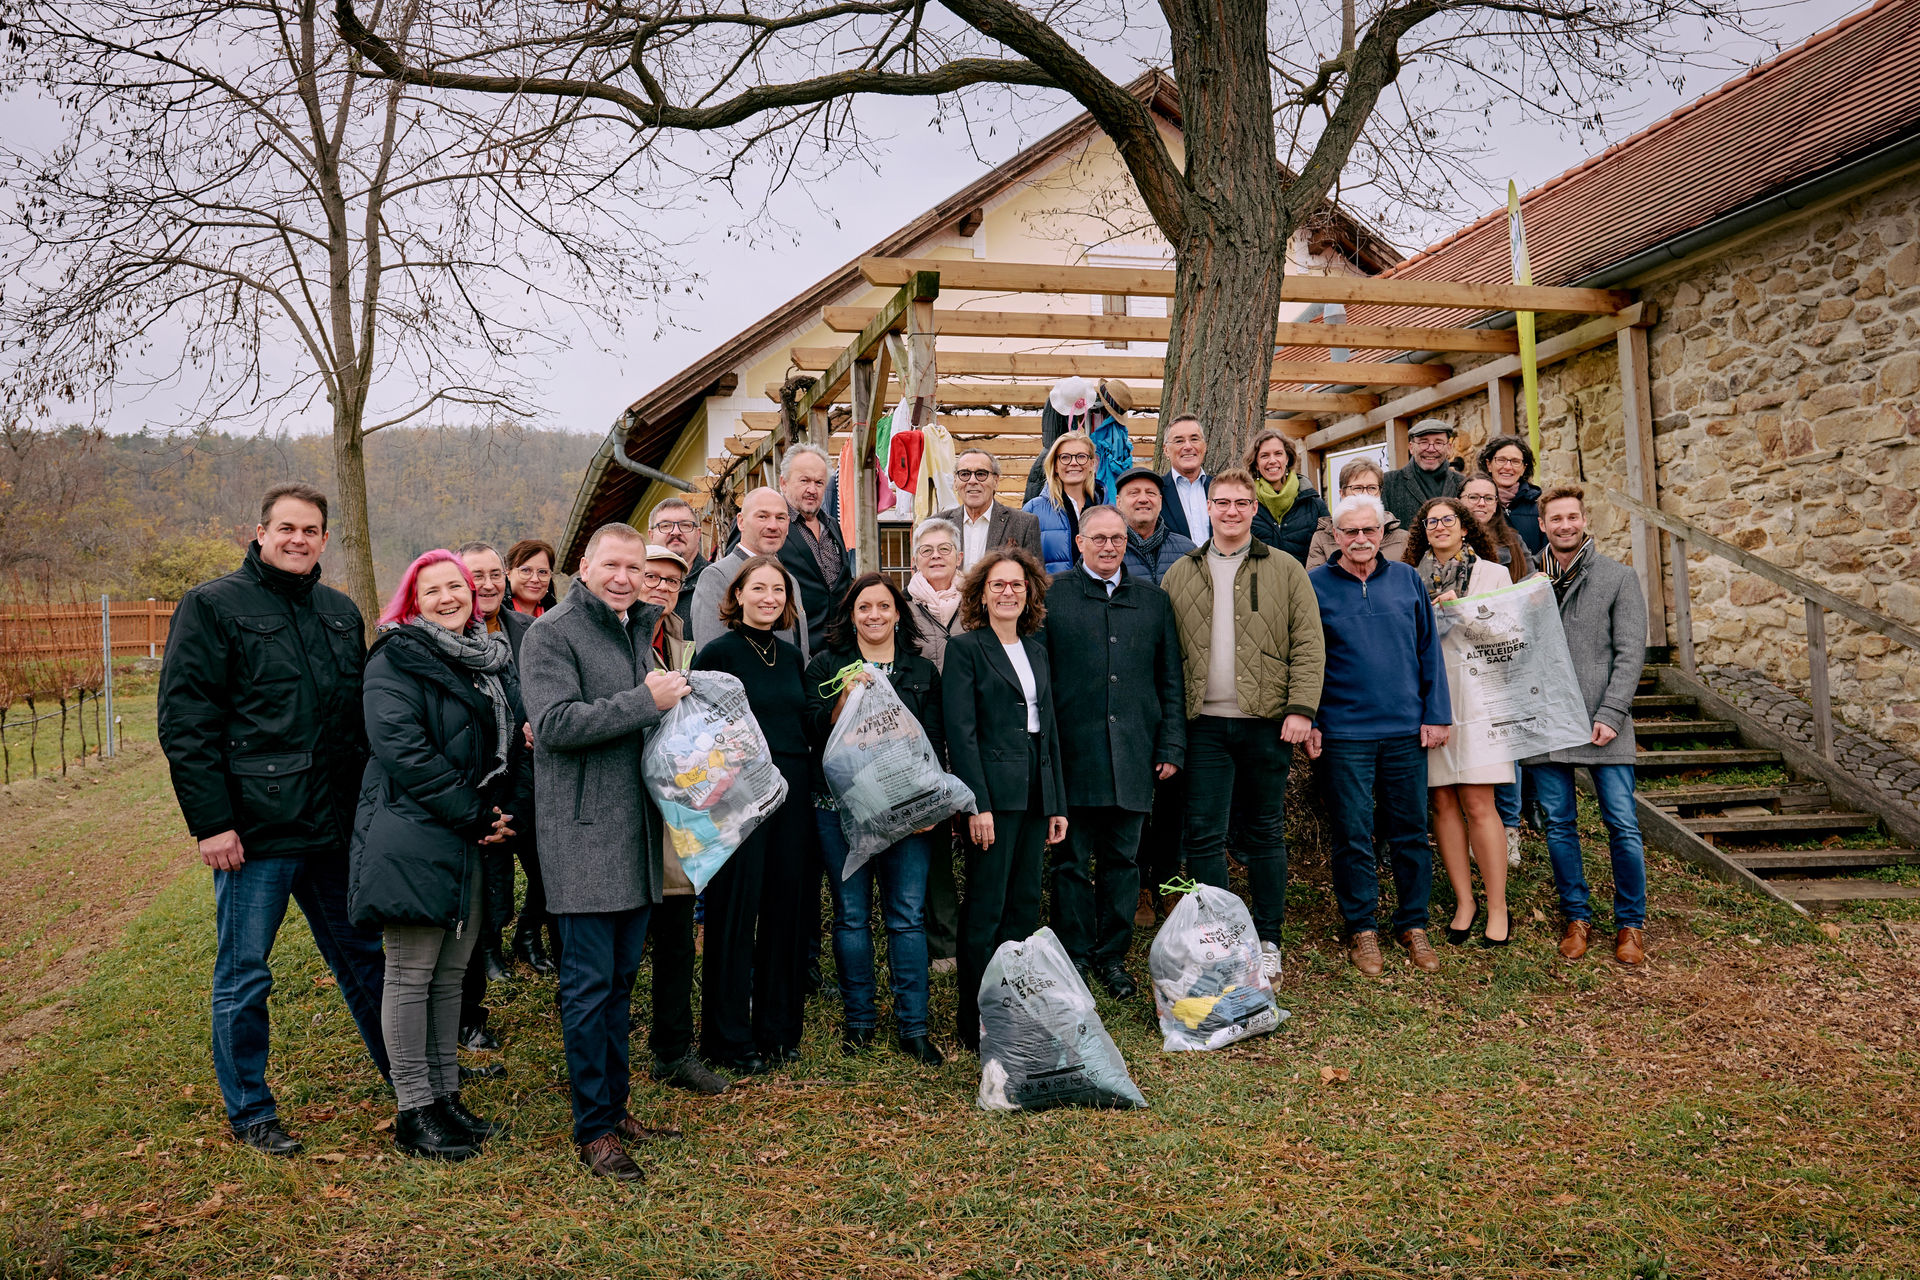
[
  {"x": 1764, "y": 861},
  {"x": 1802, "y": 793},
  {"x": 1824, "y": 893},
  {"x": 1704, "y": 757},
  {"x": 1720, "y": 824},
  {"x": 1664, "y": 702},
  {"x": 1683, "y": 728}
]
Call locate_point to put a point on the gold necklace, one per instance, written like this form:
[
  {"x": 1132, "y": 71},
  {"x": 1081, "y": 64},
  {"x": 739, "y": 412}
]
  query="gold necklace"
[{"x": 766, "y": 654}]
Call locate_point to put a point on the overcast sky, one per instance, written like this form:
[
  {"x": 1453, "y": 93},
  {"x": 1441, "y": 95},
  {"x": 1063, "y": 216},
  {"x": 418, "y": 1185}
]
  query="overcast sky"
[{"x": 916, "y": 167}]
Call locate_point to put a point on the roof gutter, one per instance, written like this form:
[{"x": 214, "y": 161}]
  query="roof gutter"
[
  {"x": 1801, "y": 195},
  {"x": 617, "y": 444}
]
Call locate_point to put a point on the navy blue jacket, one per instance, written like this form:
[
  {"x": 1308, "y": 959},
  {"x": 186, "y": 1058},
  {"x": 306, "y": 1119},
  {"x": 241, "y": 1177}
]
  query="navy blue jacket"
[
  {"x": 1523, "y": 513},
  {"x": 1294, "y": 534},
  {"x": 1385, "y": 675},
  {"x": 1170, "y": 509}
]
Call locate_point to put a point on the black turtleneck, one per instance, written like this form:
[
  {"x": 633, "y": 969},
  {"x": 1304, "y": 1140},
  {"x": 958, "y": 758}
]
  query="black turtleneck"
[{"x": 776, "y": 692}]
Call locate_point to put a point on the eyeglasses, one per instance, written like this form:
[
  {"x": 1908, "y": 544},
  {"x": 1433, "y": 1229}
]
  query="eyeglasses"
[
  {"x": 980, "y": 474},
  {"x": 1105, "y": 539},
  {"x": 1506, "y": 460},
  {"x": 661, "y": 579},
  {"x": 937, "y": 548},
  {"x": 1007, "y": 588},
  {"x": 1365, "y": 530},
  {"x": 1064, "y": 458},
  {"x": 1442, "y": 522},
  {"x": 675, "y": 526},
  {"x": 534, "y": 573},
  {"x": 1373, "y": 489},
  {"x": 1477, "y": 499},
  {"x": 1231, "y": 504}
]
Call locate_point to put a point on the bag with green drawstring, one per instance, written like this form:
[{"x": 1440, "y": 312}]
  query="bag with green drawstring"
[
  {"x": 881, "y": 770},
  {"x": 1208, "y": 987}
]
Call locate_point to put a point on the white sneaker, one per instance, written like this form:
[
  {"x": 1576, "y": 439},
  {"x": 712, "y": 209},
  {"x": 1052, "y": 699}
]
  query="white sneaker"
[
  {"x": 1270, "y": 962},
  {"x": 1513, "y": 848}
]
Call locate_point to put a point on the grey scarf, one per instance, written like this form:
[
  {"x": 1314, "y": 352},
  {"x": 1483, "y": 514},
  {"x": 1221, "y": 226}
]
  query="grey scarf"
[
  {"x": 486, "y": 656},
  {"x": 1565, "y": 579}
]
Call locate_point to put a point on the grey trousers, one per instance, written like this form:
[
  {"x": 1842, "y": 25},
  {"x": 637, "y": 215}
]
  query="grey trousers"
[{"x": 420, "y": 1006}]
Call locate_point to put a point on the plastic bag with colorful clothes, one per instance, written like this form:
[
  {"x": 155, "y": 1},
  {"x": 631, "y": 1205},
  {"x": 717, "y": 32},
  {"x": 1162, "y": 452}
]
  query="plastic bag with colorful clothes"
[
  {"x": 1208, "y": 987},
  {"x": 708, "y": 767}
]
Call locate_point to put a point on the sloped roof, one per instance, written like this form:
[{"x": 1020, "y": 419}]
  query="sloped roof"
[{"x": 1844, "y": 92}]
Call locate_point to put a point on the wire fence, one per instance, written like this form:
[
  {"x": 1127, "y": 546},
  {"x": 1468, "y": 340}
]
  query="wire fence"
[{"x": 55, "y": 673}]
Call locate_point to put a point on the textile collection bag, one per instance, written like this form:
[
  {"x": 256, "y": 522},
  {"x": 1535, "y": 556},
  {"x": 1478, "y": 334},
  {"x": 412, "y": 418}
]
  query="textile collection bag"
[
  {"x": 1511, "y": 678},
  {"x": 708, "y": 768},
  {"x": 883, "y": 773},
  {"x": 1208, "y": 988},
  {"x": 1042, "y": 1045}
]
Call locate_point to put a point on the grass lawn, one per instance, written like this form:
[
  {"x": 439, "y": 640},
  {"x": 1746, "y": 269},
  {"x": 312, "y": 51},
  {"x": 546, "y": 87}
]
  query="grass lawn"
[{"x": 1747, "y": 1107}]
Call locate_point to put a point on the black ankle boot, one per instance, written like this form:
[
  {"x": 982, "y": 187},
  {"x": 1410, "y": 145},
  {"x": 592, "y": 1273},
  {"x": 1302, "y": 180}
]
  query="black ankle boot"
[
  {"x": 922, "y": 1050},
  {"x": 455, "y": 1113},
  {"x": 424, "y": 1131},
  {"x": 498, "y": 969}
]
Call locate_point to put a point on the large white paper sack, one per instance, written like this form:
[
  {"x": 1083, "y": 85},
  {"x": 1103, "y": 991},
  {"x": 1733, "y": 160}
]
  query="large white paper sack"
[
  {"x": 1208, "y": 988},
  {"x": 708, "y": 768},
  {"x": 1042, "y": 1044},
  {"x": 883, "y": 773}
]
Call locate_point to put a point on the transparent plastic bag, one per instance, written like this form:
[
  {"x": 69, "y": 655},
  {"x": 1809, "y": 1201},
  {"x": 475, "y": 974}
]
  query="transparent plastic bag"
[
  {"x": 883, "y": 773},
  {"x": 1042, "y": 1045},
  {"x": 1208, "y": 988},
  {"x": 708, "y": 768}
]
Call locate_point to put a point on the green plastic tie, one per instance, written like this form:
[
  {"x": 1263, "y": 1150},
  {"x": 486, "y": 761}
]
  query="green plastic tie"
[
  {"x": 1177, "y": 885},
  {"x": 841, "y": 679}
]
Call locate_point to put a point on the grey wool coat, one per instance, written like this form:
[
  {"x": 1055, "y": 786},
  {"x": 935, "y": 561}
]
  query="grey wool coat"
[
  {"x": 1605, "y": 618},
  {"x": 583, "y": 676}
]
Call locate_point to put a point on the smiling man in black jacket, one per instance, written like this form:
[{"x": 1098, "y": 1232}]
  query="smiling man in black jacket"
[{"x": 260, "y": 718}]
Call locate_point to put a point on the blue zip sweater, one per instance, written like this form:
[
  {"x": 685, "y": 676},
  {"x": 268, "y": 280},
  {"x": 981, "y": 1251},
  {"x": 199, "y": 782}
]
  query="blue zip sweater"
[{"x": 1385, "y": 675}]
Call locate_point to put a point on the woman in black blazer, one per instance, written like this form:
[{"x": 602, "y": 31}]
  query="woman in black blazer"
[{"x": 998, "y": 697}]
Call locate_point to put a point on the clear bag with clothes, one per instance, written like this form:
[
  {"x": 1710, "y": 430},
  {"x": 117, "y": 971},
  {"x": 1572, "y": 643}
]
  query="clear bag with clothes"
[
  {"x": 883, "y": 774},
  {"x": 1042, "y": 1044},
  {"x": 1208, "y": 987},
  {"x": 708, "y": 767}
]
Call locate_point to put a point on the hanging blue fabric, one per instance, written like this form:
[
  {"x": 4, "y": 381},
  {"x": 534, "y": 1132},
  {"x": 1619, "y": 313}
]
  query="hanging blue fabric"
[{"x": 1115, "y": 449}]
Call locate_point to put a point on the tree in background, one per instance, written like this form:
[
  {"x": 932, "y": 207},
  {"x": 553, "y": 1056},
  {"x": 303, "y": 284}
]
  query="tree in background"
[
  {"x": 235, "y": 206},
  {"x": 1280, "y": 104},
  {"x": 174, "y": 563}
]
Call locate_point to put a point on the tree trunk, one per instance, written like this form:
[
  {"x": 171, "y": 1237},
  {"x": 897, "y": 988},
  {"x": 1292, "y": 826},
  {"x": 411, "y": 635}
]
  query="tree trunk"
[
  {"x": 1232, "y": 252},
  {"x": 352, "y": 541}
]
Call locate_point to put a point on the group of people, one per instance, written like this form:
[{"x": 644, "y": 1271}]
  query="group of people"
[{"x": 1120, "y": 680}]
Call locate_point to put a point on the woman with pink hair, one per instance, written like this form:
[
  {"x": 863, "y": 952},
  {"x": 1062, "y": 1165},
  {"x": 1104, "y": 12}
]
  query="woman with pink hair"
[{"x": 449, "y": 770}]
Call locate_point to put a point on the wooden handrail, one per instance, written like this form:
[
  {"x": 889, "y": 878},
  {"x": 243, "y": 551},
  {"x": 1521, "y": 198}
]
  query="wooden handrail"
[{"x": 1773, "y": 573}]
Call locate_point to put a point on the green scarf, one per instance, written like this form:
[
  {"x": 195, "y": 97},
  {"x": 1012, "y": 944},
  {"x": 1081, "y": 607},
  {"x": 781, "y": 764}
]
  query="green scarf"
[{"x": 1277, "y": 501}]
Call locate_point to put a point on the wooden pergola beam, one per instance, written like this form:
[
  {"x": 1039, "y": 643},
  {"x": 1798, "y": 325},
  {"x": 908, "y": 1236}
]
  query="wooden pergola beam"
[
  {"x": 1152, "y": 368},
  {"x": 1068, "y": 327},
  {"x": 960, "y": 395},
  {"x": 1035, "y": 277},
  {"x": 1017, "y": 424}
]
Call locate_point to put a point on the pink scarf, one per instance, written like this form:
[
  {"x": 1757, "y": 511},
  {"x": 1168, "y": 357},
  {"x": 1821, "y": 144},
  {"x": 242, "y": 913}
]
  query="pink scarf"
[
  {"x": 1506, "y": 492},
  {"x": 941, "y": 604}
]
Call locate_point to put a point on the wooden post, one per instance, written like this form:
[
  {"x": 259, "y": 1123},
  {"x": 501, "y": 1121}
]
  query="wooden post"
[
  {"x": 1502, "y": 401},
  {"x": 1682, "y": 605},
  {"x": 1636, "y": 415},
  {"x": 1817, "y": 678},
  {"x": 918, "y": 381},
  {"x": 1397, "y": 441},
  {"x": 153, "y": 626},
  {"x": 817, "y": 426}
]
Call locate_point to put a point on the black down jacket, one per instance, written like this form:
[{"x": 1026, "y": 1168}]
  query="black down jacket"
[
  {"x": 1294, "y": 534},
  {"x": 422, "y": 811}
]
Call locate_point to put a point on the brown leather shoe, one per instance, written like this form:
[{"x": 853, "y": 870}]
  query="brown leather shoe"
[
  {"x": 1575, "y": 939},
  {"x": 633, "y": 1131},
  {"x": 1419, "y": 950},
  {"x": 1168, "y": 901},
  {"x": 1629, "y": 947},
  {"x": 1364, "y": 951},
  {"x": 1143, "y": 916},
  {"x": 606, "y": 1158}
]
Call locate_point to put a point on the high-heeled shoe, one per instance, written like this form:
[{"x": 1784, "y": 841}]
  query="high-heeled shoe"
[
  {"x": 1488, "y": 940},
  {"x": 1457, "y": 937}
]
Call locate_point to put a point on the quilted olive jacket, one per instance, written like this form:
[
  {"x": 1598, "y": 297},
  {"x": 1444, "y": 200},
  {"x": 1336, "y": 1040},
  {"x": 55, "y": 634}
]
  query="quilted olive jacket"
[{"x": 1279, "y": 652}]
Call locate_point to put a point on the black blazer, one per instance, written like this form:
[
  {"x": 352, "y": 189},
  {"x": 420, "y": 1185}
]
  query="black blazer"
[
  {"x": 914, "y": 678},
  {"x": 1119, "y": 697},
  {"x": 515, "y": 624},
  {"x": 1170, "y": 509},
  {"x": 986, "y": 723},
  {"x": 797, "y": 554}
]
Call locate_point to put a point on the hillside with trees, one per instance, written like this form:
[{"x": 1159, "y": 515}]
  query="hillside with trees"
[{"x": 83, "y": 512}]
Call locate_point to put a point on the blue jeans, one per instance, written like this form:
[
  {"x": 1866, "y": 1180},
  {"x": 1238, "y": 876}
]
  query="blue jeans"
[
  {"x": 599, "y": 959},
  {"x": 1506, "y": 798},
  {"x": 1354, "y": 771},
  {"x": 902, "y": 873},
  {"x": 248, "y": 906},
  {"x": 1613, "y": 785}
]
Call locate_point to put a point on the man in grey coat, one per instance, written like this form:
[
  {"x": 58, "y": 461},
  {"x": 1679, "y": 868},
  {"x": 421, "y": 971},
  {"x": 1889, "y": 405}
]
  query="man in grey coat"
[
  {"x": 763, "y": 524},
  {"x": 1605, "y": 618},
  {"x": 592, "y": 692}
]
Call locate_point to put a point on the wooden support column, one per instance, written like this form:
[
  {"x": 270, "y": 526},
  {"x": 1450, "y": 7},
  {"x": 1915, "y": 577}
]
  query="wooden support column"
[
  {"x": 1503, "y": 413},
  {"x": 1817, "y": 679},
  {"x": 1636, "y": 418},
  {"x": 1682, "y": 605},
  {"x": 1397, "y": 441},
  {"x": 866, "y": 392},
  {"x": 817, "y": 425}
]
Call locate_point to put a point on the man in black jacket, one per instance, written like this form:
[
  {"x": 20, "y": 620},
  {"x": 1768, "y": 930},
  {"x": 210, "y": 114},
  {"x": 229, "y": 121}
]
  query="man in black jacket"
[
  {"x": 674, "y": 526},
  {"x": 1119, "y": 704},
  {"x": 814, "y": 553},
  {"x": 260, "y": 718}
]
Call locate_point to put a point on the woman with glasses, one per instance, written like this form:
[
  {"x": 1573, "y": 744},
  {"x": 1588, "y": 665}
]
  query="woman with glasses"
[
  {"x": 1451, "y": 553},
  {"x": 933, "y": 593},
  {"x": 530, "y": 564},
  {"x": 1360, "y": 476},
  {"x": 1509, "y": 461},
  {"x": 1072, "y": 486},
  {"x": 1482, "y": 497},
  {"x": 1290, "y": 507},
  {"x": 997, "y": 699}
]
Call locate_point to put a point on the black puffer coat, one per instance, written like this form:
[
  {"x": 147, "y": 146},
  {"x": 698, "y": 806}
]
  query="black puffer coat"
[{"x": 422, "y": 811}]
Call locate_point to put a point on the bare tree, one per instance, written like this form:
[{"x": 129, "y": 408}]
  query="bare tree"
[
  {"x": 234, "y": 206},
  {"x": 1278, "y": 102}
]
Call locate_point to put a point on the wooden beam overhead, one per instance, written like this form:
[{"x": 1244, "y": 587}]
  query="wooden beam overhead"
[
  {"x": 1151, "y": 368},
  {"x": 971, "y": 424},
  {"x": 962, "y": 395},
  {"x": 1036, "y": 277},
  {"x": 1066, "y": 327}
]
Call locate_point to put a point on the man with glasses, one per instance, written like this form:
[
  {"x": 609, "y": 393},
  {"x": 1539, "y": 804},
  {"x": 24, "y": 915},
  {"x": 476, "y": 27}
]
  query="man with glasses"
[
  {"x": 1386, "y": 702},
  {"x": 983, "y": 520},
  {"x": 1426, "y": 475},
  {"x": 674, "y": 526},
  {"x": 1253, "y": 655},
  {"x": 1359, "y": 476},
  {"x": 1120, "y": 714}
]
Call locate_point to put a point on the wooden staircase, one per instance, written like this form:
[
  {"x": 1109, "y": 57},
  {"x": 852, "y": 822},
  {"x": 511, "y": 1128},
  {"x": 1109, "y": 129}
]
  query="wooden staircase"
[{"x": 1717, "y": 793}]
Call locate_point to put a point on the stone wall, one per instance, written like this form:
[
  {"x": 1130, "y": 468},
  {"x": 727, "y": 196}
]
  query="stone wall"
[{"x": 1785, "y": 379}]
